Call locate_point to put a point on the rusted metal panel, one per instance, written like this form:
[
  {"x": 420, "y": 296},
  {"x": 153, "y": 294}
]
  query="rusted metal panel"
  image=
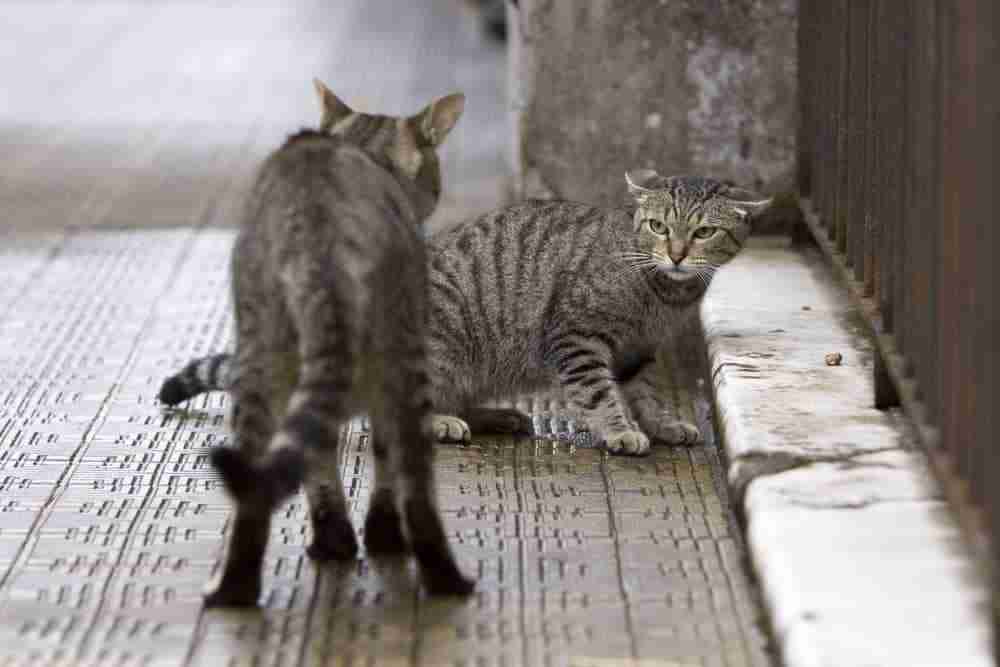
[
  {"x": 889, "y": 111},
  {"x": 901, "y": 139},
  {"x": 808, "y": 129},
  {"x": 968, "y": 327},
  {"x": 854, "y": 162},
  {"x": 839, "y": 27},
  {"x": 923, "y": 213}
]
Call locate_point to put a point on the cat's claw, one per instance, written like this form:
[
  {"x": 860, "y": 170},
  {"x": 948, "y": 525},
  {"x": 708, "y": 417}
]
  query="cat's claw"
[
  {"x": 629, "y": 443},
  {"x": 446, "y": 428}
]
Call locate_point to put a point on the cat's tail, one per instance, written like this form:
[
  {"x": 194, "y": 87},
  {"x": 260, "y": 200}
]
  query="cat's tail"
[
  {"x": 307, "y": 438},
  {"x": 211, "y": 373},
  {"x": 263, "y": 485}
]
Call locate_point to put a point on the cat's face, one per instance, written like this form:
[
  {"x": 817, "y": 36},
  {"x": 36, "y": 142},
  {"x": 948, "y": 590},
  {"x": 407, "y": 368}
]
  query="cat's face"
[
  {"x": 689, "y": 226},
  {"x": 406, "y": 144}
]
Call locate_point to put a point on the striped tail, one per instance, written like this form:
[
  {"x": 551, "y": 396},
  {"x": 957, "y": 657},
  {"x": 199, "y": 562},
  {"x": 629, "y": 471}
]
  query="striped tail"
[
  {"x": 211, "y": 373},
  {"x": 306, "y": 439},
  {"x": 259, "y": 487}
]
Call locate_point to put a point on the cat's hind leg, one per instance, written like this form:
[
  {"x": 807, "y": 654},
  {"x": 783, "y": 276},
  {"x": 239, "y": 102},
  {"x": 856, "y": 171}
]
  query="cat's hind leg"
[
  {"x": 648, "y": 397},
  {"x": 439, "y": 571},
  {"x": 320, "y": 407},
  {"x": 239, "y": 582},
  {"x": 407, "y": 401},
  {"x": 384, "y": 523},
  {"x": 332, "y": 533},
  {"x": 498, "y": 421},
  {"x": 478, "y": 421}
]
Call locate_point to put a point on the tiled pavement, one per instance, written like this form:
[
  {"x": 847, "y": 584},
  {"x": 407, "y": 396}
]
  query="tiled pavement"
[
  {"x": 111, "y": 520},
  {"x": 113, "y": 272}
]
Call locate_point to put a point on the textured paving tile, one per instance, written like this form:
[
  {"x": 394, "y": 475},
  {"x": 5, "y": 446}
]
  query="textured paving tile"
[
  {"x": 111, "y": 520},
  {"x": 125, "y": 158}
]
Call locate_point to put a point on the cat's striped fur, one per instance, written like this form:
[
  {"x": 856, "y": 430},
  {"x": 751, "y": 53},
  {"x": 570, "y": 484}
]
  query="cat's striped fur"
[
  {"x": 560, "y": 293},
  {"x": 329, "y": 289}
]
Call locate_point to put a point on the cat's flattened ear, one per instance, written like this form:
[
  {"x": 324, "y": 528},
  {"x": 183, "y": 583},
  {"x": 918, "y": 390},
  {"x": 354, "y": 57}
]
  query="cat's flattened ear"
[
  {"x": 746, "y": 204},
  {"x": 333, "y": 108},
  {"x": 436, "y": 121},
  {"x": 640, "y": 182}
]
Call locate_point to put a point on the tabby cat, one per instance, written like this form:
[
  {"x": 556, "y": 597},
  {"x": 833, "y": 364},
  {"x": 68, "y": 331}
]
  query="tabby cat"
[
  {"x": 329, "y": 281},
  {"x": 546, "y": 293}
]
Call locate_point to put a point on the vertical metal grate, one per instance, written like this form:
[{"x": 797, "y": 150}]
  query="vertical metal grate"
[{"x": 899, "y": 147}]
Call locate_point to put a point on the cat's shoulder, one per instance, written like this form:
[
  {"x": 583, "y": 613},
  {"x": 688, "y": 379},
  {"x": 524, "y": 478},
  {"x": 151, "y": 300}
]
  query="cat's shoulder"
[
  {"x": 306, "y": 148},
  {"x": 309, "y": 140}
]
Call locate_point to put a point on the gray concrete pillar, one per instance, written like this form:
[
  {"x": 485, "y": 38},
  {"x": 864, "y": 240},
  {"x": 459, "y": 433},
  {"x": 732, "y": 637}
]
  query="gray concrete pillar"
[{"x": 682, "y": 86}]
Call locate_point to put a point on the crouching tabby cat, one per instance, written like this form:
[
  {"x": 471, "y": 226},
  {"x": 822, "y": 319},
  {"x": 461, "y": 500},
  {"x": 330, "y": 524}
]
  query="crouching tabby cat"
[
  {"x": 329, "y": 287},
  {"x": 542, "y": 293}
]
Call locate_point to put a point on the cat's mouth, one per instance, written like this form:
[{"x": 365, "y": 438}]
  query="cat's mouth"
[{"x": 680, "y": 273}]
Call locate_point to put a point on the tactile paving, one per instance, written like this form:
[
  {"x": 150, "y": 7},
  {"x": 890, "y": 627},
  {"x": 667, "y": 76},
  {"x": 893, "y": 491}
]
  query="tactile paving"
[{"x": 112, "y": 521}]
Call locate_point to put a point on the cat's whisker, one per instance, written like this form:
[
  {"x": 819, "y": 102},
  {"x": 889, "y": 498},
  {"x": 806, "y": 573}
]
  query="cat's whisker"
[{"x": 705, "y": 274}]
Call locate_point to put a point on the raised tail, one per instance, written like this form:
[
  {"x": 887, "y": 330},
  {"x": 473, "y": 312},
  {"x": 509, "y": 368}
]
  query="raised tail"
[{"x": 211, "y": 373}]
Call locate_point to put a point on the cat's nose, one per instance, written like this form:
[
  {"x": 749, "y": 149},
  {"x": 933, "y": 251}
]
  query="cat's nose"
[{"x": 677, "y": 254}]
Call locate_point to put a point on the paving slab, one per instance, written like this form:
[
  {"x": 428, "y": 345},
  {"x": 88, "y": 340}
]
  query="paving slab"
[
  {"x": 112, "y": 521},
  {"x": 857, "y": 553},
  {"x": 125, "y": 160}
]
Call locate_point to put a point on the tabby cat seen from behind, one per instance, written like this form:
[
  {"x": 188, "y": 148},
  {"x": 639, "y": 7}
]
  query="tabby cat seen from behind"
[
  {"x": 544, "y": 294},
  {"x": 329, "y": 287}
]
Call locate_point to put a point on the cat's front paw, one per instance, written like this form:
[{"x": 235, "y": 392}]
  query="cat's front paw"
[
  {"x": 672, "y": 432},
  {"x": 629, "y": 443},
  {"x": 446, "y": 428}
]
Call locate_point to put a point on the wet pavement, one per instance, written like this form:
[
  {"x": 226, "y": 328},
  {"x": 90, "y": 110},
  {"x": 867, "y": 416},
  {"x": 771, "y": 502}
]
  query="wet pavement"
[{"x": 125, "y": 157}]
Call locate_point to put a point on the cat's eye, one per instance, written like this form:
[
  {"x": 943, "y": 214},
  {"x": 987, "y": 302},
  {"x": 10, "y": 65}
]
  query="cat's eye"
[
  {"x": 657, "y": 226},
  {"x": 703, "y": 233}
]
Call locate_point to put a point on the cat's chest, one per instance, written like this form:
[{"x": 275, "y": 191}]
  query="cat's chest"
[{"x": 656, "y": 325}]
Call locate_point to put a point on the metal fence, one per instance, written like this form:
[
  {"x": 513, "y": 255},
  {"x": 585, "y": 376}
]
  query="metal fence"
[{"x": 899, "y": 170}]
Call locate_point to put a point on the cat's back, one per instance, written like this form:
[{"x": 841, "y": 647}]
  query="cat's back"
[
  {"x": 315, "y": 164},
  {"x": 496, "y": 277},
  {"x": 531, "y": 227},
  {"x": 320, "y": 194},
  {"x": 524, "y": 250}
]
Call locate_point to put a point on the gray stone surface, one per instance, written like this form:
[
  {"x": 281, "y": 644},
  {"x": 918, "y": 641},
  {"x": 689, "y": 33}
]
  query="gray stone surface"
[
  {"x": 770, "y": 320},
  {"x": 860, "y": 560},
  {"x": 603, "y": 86}
]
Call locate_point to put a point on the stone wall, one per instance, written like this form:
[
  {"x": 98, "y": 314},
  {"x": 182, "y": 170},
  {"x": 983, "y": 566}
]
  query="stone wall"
[{"x": 682, "y": 86}]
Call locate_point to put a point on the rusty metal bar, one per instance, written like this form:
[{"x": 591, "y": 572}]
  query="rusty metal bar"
[
  {"x": 854, "y": 162},
  {"x": 900, "y": 147},
  {"x": 839, "y": 27}
]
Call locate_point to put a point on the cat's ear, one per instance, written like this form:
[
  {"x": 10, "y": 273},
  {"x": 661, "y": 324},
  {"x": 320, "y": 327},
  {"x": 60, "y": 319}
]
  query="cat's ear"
[
  {"x": 404, "y": 151},
  {"x": 333, "y": 108},
  {"x": 437, "y": 119},
  {"x": 746, "y": 204},
  {"x": 641, "y": 182}
]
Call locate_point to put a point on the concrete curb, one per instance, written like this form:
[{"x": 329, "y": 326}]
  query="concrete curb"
[{"x": 858, "y": 556}]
